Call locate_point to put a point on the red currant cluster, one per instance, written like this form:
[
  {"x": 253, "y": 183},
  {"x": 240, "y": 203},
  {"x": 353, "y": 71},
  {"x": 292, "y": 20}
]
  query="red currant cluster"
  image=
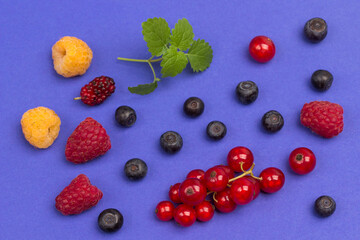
[{"x": 227, "y": 190}]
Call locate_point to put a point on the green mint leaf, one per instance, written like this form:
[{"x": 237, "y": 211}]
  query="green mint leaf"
[
  {"x": 156, "y": 33},
  {"x": 182, "y": 35},
  {"x": 173, "y": 62},
  {"x": 144, "y": 89},
  {"x": 200, "y": 55}
]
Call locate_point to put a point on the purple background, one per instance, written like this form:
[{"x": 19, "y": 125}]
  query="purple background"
[{"x": 31, "y": 179}]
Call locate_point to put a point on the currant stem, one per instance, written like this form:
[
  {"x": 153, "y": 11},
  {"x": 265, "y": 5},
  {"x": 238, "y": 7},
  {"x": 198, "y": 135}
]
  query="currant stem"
[
  {"x": 208, "y": 193},
  {"x": 214, "y": 195},
  {"x": 77, "y": 98},
  {"x": 245, "y": 173}
]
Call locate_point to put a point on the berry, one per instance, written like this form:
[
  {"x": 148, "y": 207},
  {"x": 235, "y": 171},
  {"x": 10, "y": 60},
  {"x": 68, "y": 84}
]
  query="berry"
[
  {"x": 273, "y": 180},
  {"x": 227, "y": 170},
  {"x": 164, "y": 211},
  {"x": 247, "y": 92},
  {"x": 192, "y": 192},
  {"x": 171, "y": 142},
  {"x": 238, "y": 156},
  {"x": 216, "y": 130},
  {"x": 185, "y": 215},
  {"x": 204, "y": 211},
  {"x": 197, "y": 173},
  {"x": 174, "y": 193},
  {"x": 88, "y": 141},
  {"x": 322, "y": 117},
  {"x": 325, "y": 206},
  {"x": 272, "y": 121},
  {"x": 315, "y": 29},
  {"x": 216, "y": 179},
  {"x": 110, "y": 220},
  {"x": 242, "y": 191},
  {"x": 135, "y": 169},
  {"x": 40, "y": 126},
  {"x": 262, "y": 49},
  {"x": 97, "y": 91},
  {"x": 256, "y": 186},
  {"x": 194, "y": 107},
  {"x": 71, "y": 56},
  {"x": 302, "y": 160},
  {"x": 322, "y": 80},
  {"x": 223, "y": 202},
  {"x": 125, "y": 116},
  {"x": 78, "y": 196}
]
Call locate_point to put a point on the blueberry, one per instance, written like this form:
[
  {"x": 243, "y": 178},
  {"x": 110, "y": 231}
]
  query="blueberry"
[
  {"x": 272, "y": 121},
  {"x": 171, "y": 142},
  {"x": 125, "y": 116},
  {"x": 325, "y": 206},
  {"x": 216, "y": 130},
  {"x": 194, "y": 107},
  {"x": 247, "y": 92},
  {"x": 315, "y": 29},
  {"x": 322, "y": 80},
  {"x": 110, "y": 220},
  {"x": 135, "y": 169}
]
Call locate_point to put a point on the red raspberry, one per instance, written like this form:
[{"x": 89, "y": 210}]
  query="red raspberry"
[
  {"x": 88, "y": 141},
  {"x": 78, "y": 196},
  {"x": 96, "y": 91},
  {"x": 322, "y": 117}
]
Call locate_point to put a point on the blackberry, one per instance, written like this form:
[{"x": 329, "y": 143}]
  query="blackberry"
[
  {"x": 135, "y": 169},
  {"x": 194, "y": 107},
  {"x": 216, "y": 130},
  {"x": 125, "y": 116},
  {"x": 272, "y": 121},
  {"x": 322, "y": 80},
  {"x": 316, "y": 29},
  {"x": 110, "y": 220},
  {"x": 247, "y": 92},
  {"x": 171, "y": 142},
  {"x": 325, "y": 206}
]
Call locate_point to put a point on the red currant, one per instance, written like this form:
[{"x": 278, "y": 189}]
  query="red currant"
[
  {"x": 165, "y": 210},
  {"x": 272, "y": 180},
  {"x": 262, "y": 49},
  {"x": 216, "y": 179},
  {"x": 174, "y": 193},
  {"x": 192, "y": 191},
  {"x": 223, "y": 201},
  {"x": 239, "y": 155},
  {"x": 197, "y": 173},
  {"x": 302, "y": 160},
  {"x": 227, "y": 170},
  {"x": 242, "y": 191},
  {"x": 256, "y": 185},
  {"x": 204, "y": 211},
  {"x": 185, "y": 215}
]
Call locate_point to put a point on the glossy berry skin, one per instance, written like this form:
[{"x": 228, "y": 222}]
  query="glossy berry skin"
[
  {"x": 302, "y": 160},
  {"x": 247, "y": 92},
  {"x": 242, "y": 191},
  {"x": 135, "y": 169},
  {"x": 125, "y": 116},
  {"x": 192, "y": 192},
  {"x": 174, "y": 193},
  {"x": 227, "y": 170},
  {"x": 262, "y": 49},
  {"x": 204, "y": 211},
  {"x": 316, "y": 29},
  {"x": 325, "y": 206},
  {"x": 185, "y": 215},
  {"x": 256, "y": 186},
  {"x": 96, "y": 91},
  {"x": 273, "y": 180},
  {"x": 165, "y": 211},
  {"x": 110, "y": 220},
  {"x": 322, "y": 80},
  {"x": 197, "y": 173},
  {"x": 216, "y": 130},
  {"x": 223, "y": 202},
  {"x": 216, "y": 179},
  {"x": 171, "y": 142},
  {"x": 239, "y": 155},
  {"x": 194, "y": 107},
  {"x": 272, "y": 121}
]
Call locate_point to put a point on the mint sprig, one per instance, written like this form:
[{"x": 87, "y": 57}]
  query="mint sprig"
[{"x": 171, "y": 47}]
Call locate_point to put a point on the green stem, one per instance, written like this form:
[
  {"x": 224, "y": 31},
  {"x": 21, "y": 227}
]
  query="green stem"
[
  {"x": 153, "y": 71},
  {"x": 140, "y": 60}
]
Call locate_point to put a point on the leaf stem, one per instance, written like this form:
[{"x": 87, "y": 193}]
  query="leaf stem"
[
  {"x": 152, "y": 69},
  {"x": 140, "y": 60}
]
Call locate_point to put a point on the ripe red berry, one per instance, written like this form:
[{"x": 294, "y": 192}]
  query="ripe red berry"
[
  {"x": 192, "y": 192},
  {"x": 239, "y": 155},
  {"x": 302, "y": 160},
  {"x": 223, "y": 202},
  {"x": 185, "y": 215},
  {"x": 242, "y": 191},
  {"x": 204, "y": 211},
  {"x": 272, "y": 180},
  {"x": 197, "y": 173},
  {"x": 262, "y": 49},
  {"x": 165, "y": 210},
  {"x": 216, "y": 179},
  {"x": 228, "y": 171},
  {"x": 174, "y": 193},
  {"x": 96, "y": 91},
  {"x": 256, "y": 185}
]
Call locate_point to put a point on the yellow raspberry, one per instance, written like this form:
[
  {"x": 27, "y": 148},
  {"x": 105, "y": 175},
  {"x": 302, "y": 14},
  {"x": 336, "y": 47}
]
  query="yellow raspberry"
[
  {"x": 40, "y": 126},
  {"x": 72, "y": 56}
]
